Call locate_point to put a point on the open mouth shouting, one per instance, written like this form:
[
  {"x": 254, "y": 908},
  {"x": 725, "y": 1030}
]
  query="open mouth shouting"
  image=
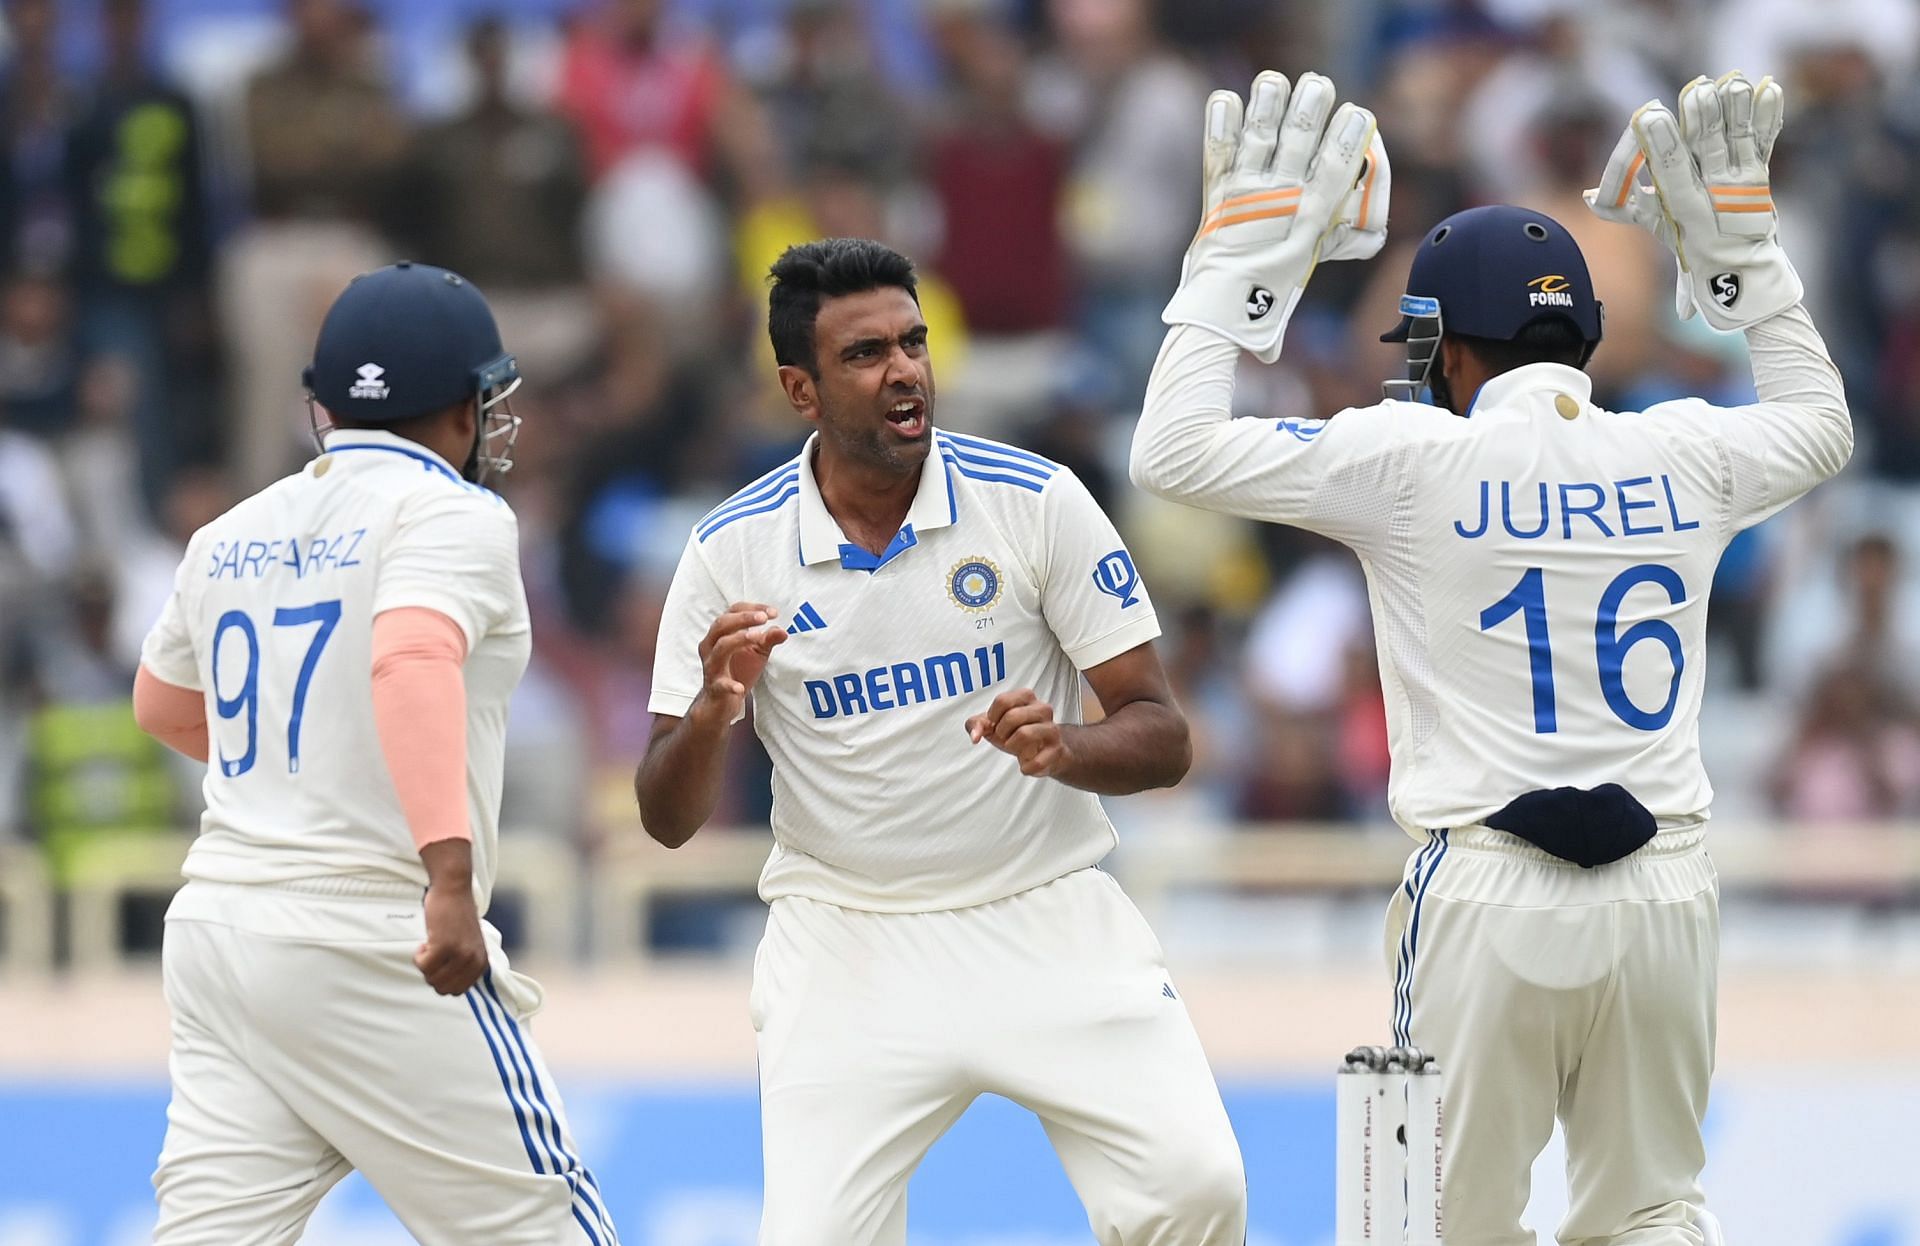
[{"x": 908, "y": 416}]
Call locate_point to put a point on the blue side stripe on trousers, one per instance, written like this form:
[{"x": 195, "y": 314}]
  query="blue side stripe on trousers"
[
  {"x": 572, "y": 1168},
  {"x": 491, "y": 1023},
  {"x": 518, "y": 1115},
  {"x": 1410, "y": 944},
  {"x": 1403, "y": 991},
  {"x": 561, "y": 1166},
  {"x": 1401, "y": 966},
  {"x": 572, "y": 1161}
]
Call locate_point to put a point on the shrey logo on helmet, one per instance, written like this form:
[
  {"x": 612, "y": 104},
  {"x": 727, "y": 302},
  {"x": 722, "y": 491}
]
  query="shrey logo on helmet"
[
  {"x": 438, "y": 348},
  {"x": 369, "y": 385}
]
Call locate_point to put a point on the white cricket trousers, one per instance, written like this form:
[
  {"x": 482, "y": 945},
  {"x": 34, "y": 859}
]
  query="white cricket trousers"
[
  {"x": 305, "y": 1053},
  {"x": 1544, "y": 988},
  {"x": 876, "y": 1030}
]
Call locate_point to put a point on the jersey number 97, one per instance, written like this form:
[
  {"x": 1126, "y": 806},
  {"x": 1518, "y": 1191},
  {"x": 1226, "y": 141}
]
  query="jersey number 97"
[{"x": 247, "y": 700}]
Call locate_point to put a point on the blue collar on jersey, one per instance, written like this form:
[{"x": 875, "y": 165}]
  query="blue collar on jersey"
[
  {"x": 935, "y": 505},
  {"x": 341, "y": 439},
  {"x": 853, "y": 558}
]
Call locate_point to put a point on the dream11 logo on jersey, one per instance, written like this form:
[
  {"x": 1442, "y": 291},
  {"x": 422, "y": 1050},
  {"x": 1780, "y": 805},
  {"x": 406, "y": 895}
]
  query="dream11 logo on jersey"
[{"x": 1115, "y": 576}]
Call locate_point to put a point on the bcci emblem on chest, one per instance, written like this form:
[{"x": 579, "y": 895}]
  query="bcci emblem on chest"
[{"x": 974, "y": 585}]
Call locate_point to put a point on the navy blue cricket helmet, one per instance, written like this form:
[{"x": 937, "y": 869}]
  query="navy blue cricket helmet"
[
  {"x": 1490, "y": 272},
  {"x": 408, "y": 340}
]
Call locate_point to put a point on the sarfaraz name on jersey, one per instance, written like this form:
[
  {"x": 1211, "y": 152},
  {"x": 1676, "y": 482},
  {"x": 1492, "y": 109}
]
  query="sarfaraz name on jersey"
[
  {"x": 1588, "y": 499},
  {"x": 250, "y": 560},
  {"x": 901, "y": 684}
]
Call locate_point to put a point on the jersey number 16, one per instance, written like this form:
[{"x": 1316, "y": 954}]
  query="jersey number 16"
[
  {"x": 247, "y": 700},
  {"x": 1529, "y": 600}
]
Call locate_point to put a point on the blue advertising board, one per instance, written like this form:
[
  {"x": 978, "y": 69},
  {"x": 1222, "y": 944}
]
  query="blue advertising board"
[{"x": 1814, "y": 1163}]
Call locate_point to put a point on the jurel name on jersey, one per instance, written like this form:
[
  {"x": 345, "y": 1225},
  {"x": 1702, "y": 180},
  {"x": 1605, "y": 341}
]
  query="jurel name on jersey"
[
  {"x": 252, "y": 560},
  {"x": 1637, "y": 506}
]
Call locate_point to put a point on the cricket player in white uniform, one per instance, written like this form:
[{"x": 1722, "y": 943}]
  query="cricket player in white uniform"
[
  {"x": 913, "y": 612},
  {"x": 1538, "y": 572},
  {"x": 340, "y": 648}
]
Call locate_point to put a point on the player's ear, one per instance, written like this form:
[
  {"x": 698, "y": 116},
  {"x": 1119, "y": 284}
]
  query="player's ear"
[
  {"x": 1448, "y": 370},
  {"x": 803, "y": 390}
]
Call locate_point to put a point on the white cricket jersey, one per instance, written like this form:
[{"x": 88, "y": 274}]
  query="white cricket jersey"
[
  {"x": 1005, "y": 575},
  {"x": 1538, "y": 572},
  {"x": 272, "y": 617}
]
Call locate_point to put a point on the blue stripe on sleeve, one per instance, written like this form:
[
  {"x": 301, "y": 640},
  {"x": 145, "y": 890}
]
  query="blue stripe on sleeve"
[
  {"x": 760, "y": 485},
  {"x": 971, "y": 473},
  {"x": 962, "y": 440},
  {"x": 975, "y": 459},
  {"x": 792, "y": 492},
  {"x": 749, "y": 497}
]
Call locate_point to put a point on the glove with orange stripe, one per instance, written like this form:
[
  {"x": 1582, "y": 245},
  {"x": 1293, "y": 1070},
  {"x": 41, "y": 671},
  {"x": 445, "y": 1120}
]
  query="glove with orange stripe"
[
  {"x": 1285, "y": 188},
  {"x": 1710, "y": 202}
]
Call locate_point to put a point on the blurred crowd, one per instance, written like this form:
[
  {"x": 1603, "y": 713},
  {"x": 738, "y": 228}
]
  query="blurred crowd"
[{"x": 185, "y": 186}]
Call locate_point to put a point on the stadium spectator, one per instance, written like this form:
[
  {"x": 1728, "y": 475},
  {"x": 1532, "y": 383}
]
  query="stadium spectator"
[
  {"x": 143, "y": 233},
  {"x": 39, "y": 365},
  {"x": 36, "y": 105},
  {"x": 1855, "y": 756},
  {"x": 1126, "y": 103},
  {"x": 1200, "y": 671},
  {"x": 825, "y": 98},
  {"x": 632, "y": 83},
  {"x": 92, "y": 776},
  {"x": 325, "y": 139},
  {"x": 998, "y": 180},
  {"x": 38, "y": 547},
  {"x": 36, "y": 523},
  {"x": 497, "y": 194}
]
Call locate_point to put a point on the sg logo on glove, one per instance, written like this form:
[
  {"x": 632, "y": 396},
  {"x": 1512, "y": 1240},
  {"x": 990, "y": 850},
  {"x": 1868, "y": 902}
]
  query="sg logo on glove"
[
  {"x": 1711, "y": 202},
  {"x": 1259, "y": 302}
]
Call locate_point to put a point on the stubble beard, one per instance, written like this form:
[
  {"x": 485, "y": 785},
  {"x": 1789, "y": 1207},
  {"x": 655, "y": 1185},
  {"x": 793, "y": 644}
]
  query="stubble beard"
[{"x": 869, "y": 447}]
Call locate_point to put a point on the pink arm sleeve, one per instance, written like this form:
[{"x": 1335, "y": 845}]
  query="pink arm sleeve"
[
  {"x": 420, "y": 713},
  {"x": 175, "y": 716}
]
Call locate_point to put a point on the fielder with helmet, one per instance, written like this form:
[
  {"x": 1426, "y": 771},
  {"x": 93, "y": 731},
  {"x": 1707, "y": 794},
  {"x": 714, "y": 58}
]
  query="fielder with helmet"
[
  {"x": 340, "y": 649},
  {"x": 1538, "y": 569}
]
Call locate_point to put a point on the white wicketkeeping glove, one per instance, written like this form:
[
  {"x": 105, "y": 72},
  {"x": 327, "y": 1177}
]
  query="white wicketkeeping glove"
[
  {"x": 1709, "y": 202},
  {"x": 1285, "y": 189}
]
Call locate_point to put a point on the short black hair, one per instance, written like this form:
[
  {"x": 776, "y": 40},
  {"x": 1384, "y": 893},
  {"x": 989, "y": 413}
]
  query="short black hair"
[
  {"x": 806, "y": 275},
  {"x": 1554, "y": 339}
]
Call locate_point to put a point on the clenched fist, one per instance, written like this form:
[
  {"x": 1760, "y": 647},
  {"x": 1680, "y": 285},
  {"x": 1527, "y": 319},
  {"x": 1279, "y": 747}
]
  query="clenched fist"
[{"x": 1020, "y": 723}]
